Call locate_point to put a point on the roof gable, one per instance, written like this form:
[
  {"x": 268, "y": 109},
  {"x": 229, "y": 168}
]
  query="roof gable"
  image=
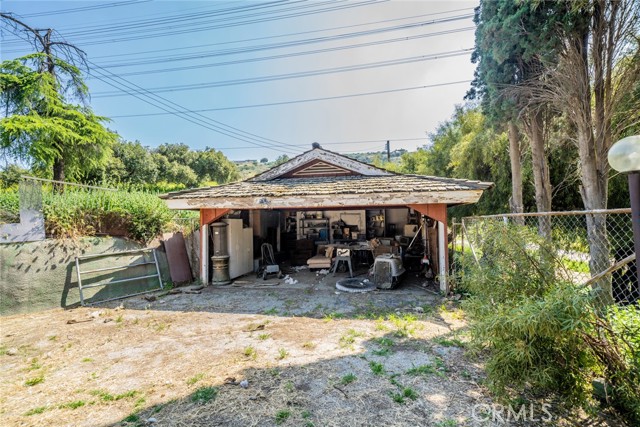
[{"x": 320, "y": 163}]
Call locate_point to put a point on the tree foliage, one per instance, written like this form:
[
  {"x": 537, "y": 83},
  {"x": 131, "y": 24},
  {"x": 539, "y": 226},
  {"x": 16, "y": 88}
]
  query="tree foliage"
[
  {"x": 39, "y": 127},
  {"x": 167, "y": 167}
]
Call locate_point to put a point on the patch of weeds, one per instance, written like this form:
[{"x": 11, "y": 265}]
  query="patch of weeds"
[
  {"x": 309, "y": 345},
  {"x": 157, "y": 408},
  {"x": 446, "y": 423},
  {"x": 305, "y": 414},
  {"x": 440, "y": 364},
  {"x": 108, "y": 397},
  {"x": 398, "y": 398},
  {"x": 421, "y": 370},
  {"x": 3, "y": 350},
  {"x": 87, "y": 360},
  {"x": 457, "y": 314},
  {"x": 194, "y": 379},
  {"x": 348, "y": 379},
  {"x": 271, "y": 311},
  {"x": 404, "y": 324},
  {"x": 263, "y": 337},
  {"x": 377, "y": 368},
  {"x": 36, "y": 411},
  {"x": 394, "y": 381},
  {"x": 409, "y": 393},
  {"x": 385, "y": 342},
  {"x": 251, "y": 352},
  {"x": 282, "y": 354},
  {"x": 34, "y": 365},
  {"x": 126, "y": 395},
  {"x": 34, "y": 381},
  {"x": 332, "y": 315},
  {"x": 282, "y": 416},
  {"x": 204, "y": 395},
  {"x": 140, "y": 402},
  {"x": 427, "y": 310},
  {"x": 133, "y": 418},
  {"x": 275, "y": 372},
  {"x": 289, "y": 386},
  {"x": 120, "y": 318},
  {"x": 72, "y": 405},
  {"x": 53, "y": 338},
  {"x": 445, "y": 342},
  {"x": 382, "y": 352},
  {"x": 380, "y": 325},
  {"x": 465, "y": 374},
  {"x": 348, "y": 339}
]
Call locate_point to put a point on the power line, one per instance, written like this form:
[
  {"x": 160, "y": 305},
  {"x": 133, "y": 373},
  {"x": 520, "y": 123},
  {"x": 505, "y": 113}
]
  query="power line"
[
  {"x": 161, "y": 30},
  {"x": 262, "y": 79},
  {"x": 345, "y": 142},
  {"x": 291, "y": 55},
  {"x": 183, "y": 48},
  {"x": 165, "y": 105},
  {"x": 298, "y": 101},
  {"x": 85, "y": 8},
  {"x": 293, "y": 43}
]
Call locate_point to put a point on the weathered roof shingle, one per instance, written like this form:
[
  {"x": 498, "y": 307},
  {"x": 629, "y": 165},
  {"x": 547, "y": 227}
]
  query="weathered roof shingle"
[{"x": 284, "y": 187}]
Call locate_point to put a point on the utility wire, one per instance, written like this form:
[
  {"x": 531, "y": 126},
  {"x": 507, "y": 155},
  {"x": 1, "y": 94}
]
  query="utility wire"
[
  {"x": 183, "y": 48},
  {"x": 161, "y": 30},
  {"x": 85, "y": 8},
  {"x": 346, "y": 142},
  {"x": 168, "y": 106},
  {"x": 298, "y": 101},
  {"x": 289, "y": 55},
  {"x": 294, "y": 43},
  {"x": 262, "y": 79}
]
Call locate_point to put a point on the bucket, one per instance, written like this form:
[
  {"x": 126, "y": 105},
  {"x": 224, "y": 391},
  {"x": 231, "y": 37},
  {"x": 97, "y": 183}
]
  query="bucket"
[{"x": 324, "y": 234}]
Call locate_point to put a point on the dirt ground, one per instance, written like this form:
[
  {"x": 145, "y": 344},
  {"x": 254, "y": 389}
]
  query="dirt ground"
[{"x": 310, "y": 356}]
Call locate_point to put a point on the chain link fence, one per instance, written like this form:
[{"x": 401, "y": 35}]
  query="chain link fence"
[{"x": 590, "y": 248}]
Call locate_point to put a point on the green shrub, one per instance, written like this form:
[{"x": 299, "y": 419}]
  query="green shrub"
[
  {"x": 142, "y": 216},
  {"x": 545, "y": 333},
  {"x": 9, "y": 206}
]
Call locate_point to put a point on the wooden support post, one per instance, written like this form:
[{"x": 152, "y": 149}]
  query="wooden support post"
[
  {"x": 439, "y": 213},
  {"x": 207, "y": 216},
  {"x": 443, "y": 262}
]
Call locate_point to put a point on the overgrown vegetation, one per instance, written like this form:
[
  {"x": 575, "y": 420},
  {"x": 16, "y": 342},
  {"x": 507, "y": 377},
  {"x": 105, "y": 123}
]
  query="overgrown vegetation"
[
  {"x": 559, "y": 337},
  {"x": 138, "y": 215}
]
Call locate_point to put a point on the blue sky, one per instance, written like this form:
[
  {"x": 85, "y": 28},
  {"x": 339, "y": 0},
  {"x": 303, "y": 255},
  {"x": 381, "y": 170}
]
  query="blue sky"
[{"x": 199, "y": 55}]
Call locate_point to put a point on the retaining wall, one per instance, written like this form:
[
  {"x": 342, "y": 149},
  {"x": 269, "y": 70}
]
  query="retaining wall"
[{"x": 42, "y": 275}]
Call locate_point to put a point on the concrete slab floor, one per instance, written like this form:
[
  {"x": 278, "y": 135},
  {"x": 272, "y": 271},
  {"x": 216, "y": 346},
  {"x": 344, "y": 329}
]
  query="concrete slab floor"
[{"x": 300, "y": 293}]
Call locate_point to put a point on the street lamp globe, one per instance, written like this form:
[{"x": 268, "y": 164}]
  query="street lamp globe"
[{"x": 624, "y": 155}]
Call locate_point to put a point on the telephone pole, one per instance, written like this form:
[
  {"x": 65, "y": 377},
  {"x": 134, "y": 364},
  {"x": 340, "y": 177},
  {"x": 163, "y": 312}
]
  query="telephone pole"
[{"x": 388, "y": 152}]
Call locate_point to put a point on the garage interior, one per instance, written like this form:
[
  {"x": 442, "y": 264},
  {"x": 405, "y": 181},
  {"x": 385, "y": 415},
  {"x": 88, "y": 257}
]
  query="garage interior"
[{"x": 302, "y": 238}]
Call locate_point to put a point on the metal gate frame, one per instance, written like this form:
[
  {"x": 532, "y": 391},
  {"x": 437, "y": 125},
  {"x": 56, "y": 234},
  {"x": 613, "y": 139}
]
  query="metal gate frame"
[{"x": 120, "y": 267}]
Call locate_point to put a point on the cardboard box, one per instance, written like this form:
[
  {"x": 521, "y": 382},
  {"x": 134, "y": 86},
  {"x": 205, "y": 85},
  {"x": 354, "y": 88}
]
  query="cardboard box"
[{"x": 410, "y": 230}]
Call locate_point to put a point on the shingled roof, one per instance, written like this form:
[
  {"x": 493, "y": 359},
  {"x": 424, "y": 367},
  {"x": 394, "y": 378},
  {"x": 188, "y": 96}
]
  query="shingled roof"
[
  {"x": 322, "y": 179},
  {"x": 283, "y": 187}
]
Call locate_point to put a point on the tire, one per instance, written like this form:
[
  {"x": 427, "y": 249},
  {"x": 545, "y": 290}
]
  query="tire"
[{"x": 355, "y": 285}]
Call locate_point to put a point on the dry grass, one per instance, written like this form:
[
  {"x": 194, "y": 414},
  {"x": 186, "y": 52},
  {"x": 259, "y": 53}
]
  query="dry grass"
[{"x": 184, "y": 368}]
